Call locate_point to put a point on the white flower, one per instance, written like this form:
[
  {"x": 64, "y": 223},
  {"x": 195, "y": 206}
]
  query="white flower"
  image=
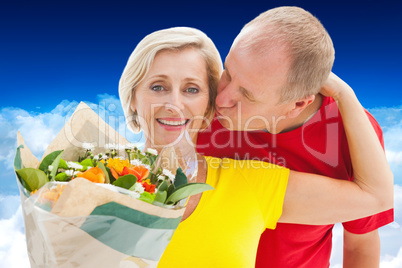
[
  {"x": 135, "y": 195},
  {"x": 168, "y": 174},
  {"x": 152, "y": 151},
  {"x": 110, "y": 146},
  {"x": 147, "y": 166},
  {"x": 105, "y": 157},
  {"x": 136, "y": 162},
  {"x": 139, "y": 188},
  {"x": 75, "y": 172},
  {"x": 88, "y": 146},
  {"x": 120, "y": 146},
  {"x": 74, "y": 165},
  {"x": 69, "y": 173},
  {"x": 129, "y": 146},
  {"x": 161, "y": 177},
  {"x": 96, "y": 157},
  {"x": 50, "y": 168}
]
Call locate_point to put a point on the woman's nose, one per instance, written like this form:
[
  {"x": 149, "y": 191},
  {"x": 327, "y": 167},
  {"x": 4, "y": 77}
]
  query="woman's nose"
[{"x": 175, "y": 101}]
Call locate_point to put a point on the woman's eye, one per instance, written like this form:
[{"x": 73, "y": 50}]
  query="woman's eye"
[
  {"x": 157, "y": 88},
  {"x": 192, "y": 90}
]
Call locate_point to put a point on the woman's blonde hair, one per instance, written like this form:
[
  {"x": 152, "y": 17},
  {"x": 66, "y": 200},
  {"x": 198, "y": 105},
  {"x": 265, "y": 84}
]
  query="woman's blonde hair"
[
  {"x": 140, "y": 61},
  {"x": 305, "y": 40}
]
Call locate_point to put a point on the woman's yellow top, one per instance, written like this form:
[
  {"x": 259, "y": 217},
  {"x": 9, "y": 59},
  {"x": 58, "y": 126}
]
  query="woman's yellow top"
[{"x": 225, "y": 228}]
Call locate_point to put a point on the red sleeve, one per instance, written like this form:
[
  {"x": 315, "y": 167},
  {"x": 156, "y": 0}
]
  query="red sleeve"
[{"x": 371, "y": 223}]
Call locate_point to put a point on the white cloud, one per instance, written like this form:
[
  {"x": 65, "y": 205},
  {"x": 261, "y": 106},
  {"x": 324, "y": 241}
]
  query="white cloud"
[
  {"x": 392, "y": 261},
  {"x": 39, "y": 129},
  {"x": 390, "y": 120},
  {"x": 387, "y": 116},
  {"x": 394, "y": 157},
  {"x": 13, "y": 253},
  {"x": 9, "y": 204}
]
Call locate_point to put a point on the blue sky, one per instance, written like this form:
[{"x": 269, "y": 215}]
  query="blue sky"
[
  {"x": 55, "y": 54},
  {"x": 51, "y": 51}
]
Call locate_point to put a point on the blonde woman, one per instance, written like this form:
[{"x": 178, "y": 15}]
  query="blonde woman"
[{"x": 169, "y": 85}]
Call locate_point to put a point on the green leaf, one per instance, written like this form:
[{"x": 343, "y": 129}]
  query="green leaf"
[
  {"x": 138, "y": 155},
  {"x": 152, "y": 159},
  {"x": 147, "y": 197},
  {"x": 87, "y": 163},
  {"x": 170, "y": 189},
  {"x": 63, "y": 164},
  {"x": 48, "y": 160},
  {"x": 32, "y": 178},
  {"x": 186, "y": 190},
  {"x": 145, "y": 160},
  {"x": 164, "y": 186},
  {"x": 61, "y": 177},
  {"x": 55, "y": 164},
  {"x": 180, "y": 178},
  {"x": 17, "y": 159},
  {"x": 160, "y": 197},
  {"x": 125, "y": 181},
  {"x": 102, "y": 166},
  {"x": 109, "y": 173},
  {"x": 152, "y": 177}
]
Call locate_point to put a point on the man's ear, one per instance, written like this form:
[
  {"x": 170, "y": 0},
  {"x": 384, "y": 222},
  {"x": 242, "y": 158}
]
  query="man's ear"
[{"x": 300, "y": 105}]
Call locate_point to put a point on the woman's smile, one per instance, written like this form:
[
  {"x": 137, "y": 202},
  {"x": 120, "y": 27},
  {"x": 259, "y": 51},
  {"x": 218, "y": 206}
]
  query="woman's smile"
[{"x": 173, "y": 124}]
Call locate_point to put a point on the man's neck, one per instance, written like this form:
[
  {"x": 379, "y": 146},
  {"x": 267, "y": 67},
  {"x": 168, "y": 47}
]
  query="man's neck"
[{"x": 305, "y": 115}]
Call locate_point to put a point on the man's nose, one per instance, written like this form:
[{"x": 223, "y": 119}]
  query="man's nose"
[{"x": 226, "y": 97}]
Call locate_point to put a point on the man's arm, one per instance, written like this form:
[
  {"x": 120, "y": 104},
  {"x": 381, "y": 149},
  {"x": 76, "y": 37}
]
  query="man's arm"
[{"x": 361, "y": 250}]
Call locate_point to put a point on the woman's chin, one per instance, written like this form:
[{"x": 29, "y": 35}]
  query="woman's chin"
[
  {"x": 173, "y": 139},
  {"x": 166, "y": 139}
]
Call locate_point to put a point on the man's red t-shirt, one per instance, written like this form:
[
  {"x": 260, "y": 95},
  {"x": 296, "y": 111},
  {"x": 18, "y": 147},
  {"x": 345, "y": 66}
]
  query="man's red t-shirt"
[{"x": 320, "y": 147}]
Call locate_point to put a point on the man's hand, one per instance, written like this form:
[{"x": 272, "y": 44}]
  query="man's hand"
[{"x": 335, "y": 87}]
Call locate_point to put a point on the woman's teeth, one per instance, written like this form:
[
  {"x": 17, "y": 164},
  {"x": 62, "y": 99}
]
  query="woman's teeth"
[{"x": 172, "y": 123}]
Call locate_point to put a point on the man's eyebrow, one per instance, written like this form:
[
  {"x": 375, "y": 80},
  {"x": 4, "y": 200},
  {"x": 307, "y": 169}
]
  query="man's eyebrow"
[
  {"x": 244, "y": 91},
  {"x": 248, "y": 94}
]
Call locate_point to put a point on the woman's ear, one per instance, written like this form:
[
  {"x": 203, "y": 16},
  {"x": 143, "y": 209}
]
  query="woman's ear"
[
  {"x": 132, "y": 106},
  {"x": 300, "y": 105}
]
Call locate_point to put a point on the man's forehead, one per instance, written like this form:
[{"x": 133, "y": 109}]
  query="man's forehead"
[{"x": 259, "y": 75}]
